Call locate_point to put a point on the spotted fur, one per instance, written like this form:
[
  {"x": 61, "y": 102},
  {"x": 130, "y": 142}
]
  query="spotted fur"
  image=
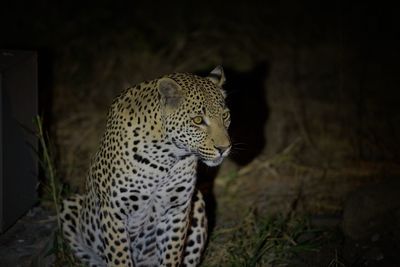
[{"x": 141, "y": 207}]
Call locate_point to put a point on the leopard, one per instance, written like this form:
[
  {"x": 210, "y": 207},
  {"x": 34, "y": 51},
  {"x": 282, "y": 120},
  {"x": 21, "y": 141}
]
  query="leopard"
[{"x": 141, "y": 205}]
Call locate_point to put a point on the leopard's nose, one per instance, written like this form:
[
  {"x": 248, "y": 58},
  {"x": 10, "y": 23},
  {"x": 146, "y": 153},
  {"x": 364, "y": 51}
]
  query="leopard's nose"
[{"x": 223, "y": 149}]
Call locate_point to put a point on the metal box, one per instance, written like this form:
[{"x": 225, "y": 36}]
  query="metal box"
[{"x": 18, "y": 160}]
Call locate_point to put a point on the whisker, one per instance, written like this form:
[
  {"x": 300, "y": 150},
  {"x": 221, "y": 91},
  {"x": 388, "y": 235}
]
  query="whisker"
[
  {"x": 236, "y": 152},
  {"x": 237, "y": 143},
  {"x": 240, "y": 146}
]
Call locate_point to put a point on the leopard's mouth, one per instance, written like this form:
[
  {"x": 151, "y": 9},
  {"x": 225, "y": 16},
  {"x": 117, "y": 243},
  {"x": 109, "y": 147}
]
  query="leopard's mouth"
[
  {"x": 212, "y": 158},
  {"x": 213, "y": 162}
]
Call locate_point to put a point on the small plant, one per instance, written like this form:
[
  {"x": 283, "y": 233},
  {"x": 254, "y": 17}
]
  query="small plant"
[
  {"x": 52, "y": 186},
  {"x": 52, "y": 191}
]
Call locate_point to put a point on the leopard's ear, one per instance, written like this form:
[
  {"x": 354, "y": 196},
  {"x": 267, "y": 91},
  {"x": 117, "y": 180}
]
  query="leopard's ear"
[
  {"x": 171, "y": 95},
  {"x": 217, "y": 76}
]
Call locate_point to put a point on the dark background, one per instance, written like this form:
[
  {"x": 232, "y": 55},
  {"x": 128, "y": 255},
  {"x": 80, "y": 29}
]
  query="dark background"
[{"x": 313, "y": 87}]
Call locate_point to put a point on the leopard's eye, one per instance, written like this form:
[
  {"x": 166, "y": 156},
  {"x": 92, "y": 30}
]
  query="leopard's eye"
[
  {"x": 225, "y": 115},
  {"x": 198, "y": 120}
]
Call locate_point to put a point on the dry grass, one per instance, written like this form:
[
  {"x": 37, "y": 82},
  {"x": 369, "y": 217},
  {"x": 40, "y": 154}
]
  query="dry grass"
[{"x": 261, "y": 241}]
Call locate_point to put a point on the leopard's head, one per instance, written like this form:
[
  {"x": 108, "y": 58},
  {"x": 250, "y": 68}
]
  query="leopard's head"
[{"x": 195, "y": 116}]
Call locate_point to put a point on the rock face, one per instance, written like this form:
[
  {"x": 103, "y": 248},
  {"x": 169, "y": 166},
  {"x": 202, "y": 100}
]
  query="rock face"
[{"x": 373, "y": 210}]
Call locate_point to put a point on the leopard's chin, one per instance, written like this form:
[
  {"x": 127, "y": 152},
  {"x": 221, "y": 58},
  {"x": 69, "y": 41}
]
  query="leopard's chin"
[{"x": 214, "y": 162}]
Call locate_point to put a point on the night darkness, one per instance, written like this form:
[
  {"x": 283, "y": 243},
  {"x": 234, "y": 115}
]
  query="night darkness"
[{"x": 313, "y": 88}]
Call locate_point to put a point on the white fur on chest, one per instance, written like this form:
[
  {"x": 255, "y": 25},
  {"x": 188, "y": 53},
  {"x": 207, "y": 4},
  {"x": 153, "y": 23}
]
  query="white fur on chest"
[{"x": 171, "y": 194}]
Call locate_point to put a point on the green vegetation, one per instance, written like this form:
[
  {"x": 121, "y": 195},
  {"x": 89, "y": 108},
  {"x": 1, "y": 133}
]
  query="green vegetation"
[
  {"x": 52, "y": 194},
  {"x": 51, "y": 185},
  {"x": 262, "y": 241}
]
